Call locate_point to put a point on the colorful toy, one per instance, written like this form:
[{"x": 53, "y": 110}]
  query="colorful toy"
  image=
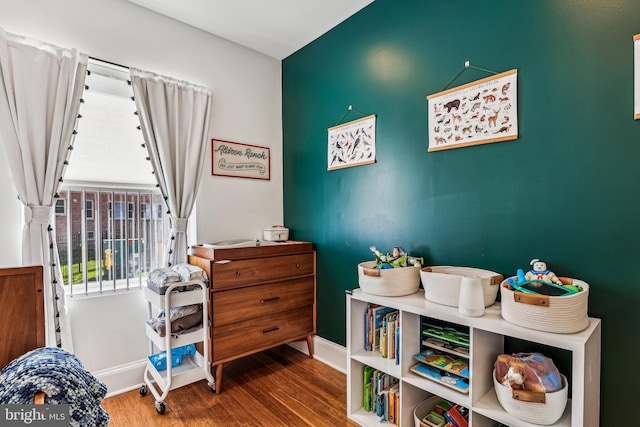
[
  {"x": 540, "y": 280},
  {"x": 396, "y": 258},
  {"x": 541, "y": 272}
]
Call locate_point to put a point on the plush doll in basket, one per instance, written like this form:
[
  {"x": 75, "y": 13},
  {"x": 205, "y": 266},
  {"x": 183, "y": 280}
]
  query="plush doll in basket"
[
  {"x": 528, "y": 371},
  {"x": 540, "y": 271}
]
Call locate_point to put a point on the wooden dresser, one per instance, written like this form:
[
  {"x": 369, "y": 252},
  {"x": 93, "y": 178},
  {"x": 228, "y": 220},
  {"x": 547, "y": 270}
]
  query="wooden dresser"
[
  {"x": 260, "y": 297},
  {"x": 21, "y": 311}
]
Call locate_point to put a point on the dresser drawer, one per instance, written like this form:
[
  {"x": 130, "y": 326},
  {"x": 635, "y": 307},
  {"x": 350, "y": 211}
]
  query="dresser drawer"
[
  {"x": 231, "y": 274},
  {"x": 260, "y": 333},
  {"x": 254, "y": 301}
]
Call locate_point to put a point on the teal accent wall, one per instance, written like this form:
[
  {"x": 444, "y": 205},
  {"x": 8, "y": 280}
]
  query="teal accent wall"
[{"x": 566, "y": 191}]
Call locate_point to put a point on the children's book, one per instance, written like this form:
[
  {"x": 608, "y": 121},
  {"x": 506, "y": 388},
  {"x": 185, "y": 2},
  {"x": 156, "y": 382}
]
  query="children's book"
[
  {"x": 441, "y": 376},
  {"x": 387, "y": 335},
  {"x": 393, "y": 396},
  {"x": 378, "y": 314},
  {"x": 398, "y": 341},
  {"x": 452, "y": 364},
  {"x": 366, "y": 388}
]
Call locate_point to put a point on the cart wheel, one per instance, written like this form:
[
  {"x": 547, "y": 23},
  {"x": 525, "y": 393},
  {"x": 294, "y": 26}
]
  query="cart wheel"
[
  {"x": 160, "y": 407},
  {"x": 143, "y": 390}
]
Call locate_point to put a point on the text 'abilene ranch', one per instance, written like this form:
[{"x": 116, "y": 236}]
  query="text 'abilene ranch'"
[{"x": 229, "y": 163}]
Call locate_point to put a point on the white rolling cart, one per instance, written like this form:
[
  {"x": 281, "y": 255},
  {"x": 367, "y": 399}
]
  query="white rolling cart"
[{"x": 194, "y": 367}]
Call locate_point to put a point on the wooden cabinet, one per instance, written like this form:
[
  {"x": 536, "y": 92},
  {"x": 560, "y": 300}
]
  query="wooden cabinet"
[
  {"x": 260, "y": 297},
  {"x": 487, "y": 335},
  {"x": 21, "y": 311}
]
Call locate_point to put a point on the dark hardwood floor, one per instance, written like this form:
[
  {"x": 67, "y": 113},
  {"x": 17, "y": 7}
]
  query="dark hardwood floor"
[{"x": 277, "y": 387}]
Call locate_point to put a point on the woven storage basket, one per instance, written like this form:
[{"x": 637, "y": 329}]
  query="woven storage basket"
[
  {"x": 442, "y": 283},
  {"x": 423, "y": 409},
  {"x": 562, "y": 314},
  {"x": 532, "y": 411},
  {"x": 390, "y": 282}
]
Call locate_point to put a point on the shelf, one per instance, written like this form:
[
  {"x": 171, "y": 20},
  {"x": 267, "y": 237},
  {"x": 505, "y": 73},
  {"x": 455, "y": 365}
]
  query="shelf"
[
  {"x": 487, "y": 340},
  {"x": 438, "y": 389},
  {"x": 375, "y": 360},
  {"x": 175, "y": 340},
  {"x": 189, "y": 371},
  {"x": 178, "y": 299}
]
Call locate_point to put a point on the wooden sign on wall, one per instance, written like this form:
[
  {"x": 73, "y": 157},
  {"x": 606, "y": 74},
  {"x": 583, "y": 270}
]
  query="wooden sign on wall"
[{"x": 240, "y": 160}]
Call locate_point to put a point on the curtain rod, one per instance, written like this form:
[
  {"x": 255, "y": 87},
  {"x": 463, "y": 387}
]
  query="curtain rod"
[{"x": 108, "y": 62}]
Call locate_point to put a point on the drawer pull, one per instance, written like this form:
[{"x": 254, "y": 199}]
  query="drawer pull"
[
  {"x": 237, "y": 273},
  {"x": 269, "y": 299},
  {"x": 297, "y": 265},
  {"x": 266, "y": 331}
]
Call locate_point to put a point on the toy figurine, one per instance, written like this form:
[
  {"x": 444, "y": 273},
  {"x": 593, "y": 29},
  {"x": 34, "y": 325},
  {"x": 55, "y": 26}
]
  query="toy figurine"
[
  {"x": 540, "y": 272},
  {"x": 397, "y": 258}
]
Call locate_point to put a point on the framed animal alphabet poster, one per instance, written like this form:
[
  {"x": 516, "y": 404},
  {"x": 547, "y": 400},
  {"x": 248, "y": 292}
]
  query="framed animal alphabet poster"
[
  {"x": 352, "y": 143},
  {"x": 479, "y": 112},
  {"x": 636, "y": 76}
]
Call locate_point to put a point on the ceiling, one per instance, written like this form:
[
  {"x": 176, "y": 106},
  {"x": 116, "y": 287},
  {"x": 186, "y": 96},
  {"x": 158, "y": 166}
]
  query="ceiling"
[{"x": 276, "y": 28}]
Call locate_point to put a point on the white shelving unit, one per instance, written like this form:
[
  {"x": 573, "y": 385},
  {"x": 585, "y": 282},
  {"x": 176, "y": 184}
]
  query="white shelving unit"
[
  {"x": 194, "y": 367},
  {"x": 487, "y": 334}
]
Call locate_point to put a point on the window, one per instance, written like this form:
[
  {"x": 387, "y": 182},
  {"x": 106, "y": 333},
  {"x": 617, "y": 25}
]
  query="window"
[
  {"x": 109, "y": 233},
  {"x": 88, "y": 209},
  {"x": 119, "y": 210},
  {"x": 61, "y": 207},
  {"x": 145, "y": 211}
]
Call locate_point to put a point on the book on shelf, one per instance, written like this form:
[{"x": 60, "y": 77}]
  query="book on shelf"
[
  {"x": 374, "y": 318},
  {"x": 394, "y": 396},
  {"x": 366, "y": 397},
  {"x": 376, "y": 388}
]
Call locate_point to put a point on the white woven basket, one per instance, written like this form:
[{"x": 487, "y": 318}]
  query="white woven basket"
[
  {"x": 390, "y": 282},
  {"x": 533, "y": 412},
  {"x": 442, "y": 283},
  {"x": 423, "y": 409},
  {"x": 560, "y": 314}
]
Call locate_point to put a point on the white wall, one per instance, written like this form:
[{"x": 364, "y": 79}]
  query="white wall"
[
  {"x": 10, "y": 218},
  {"x": 247, "y": 91}
]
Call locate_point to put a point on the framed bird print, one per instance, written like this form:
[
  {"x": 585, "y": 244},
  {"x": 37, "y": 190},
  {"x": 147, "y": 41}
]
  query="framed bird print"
[{"x": 352, "y": 143}]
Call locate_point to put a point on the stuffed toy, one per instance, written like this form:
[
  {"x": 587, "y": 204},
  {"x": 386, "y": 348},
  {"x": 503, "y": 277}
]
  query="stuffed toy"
[
  {"x": 514, "y": 378},
  {"x": 541, "y": 272}
]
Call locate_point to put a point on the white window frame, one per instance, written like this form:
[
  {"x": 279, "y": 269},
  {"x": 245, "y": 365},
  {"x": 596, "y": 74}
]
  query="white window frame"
[{"x": 61, "y": 203}]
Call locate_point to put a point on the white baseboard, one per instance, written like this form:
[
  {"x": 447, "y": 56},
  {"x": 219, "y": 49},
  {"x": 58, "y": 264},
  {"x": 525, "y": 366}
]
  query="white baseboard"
[
  {"x": 124, "y": 378},
  {"x": 325, "y": 351}
]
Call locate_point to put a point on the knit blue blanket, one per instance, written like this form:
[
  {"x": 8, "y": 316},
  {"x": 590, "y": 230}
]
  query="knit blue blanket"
[{"x": 62, "y": 378}]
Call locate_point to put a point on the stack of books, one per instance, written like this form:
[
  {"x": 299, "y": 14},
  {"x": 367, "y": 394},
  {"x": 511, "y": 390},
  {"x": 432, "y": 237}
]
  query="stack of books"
[
  {"x": 381, "y": 395},
  {"x": 382, "y": 331}
]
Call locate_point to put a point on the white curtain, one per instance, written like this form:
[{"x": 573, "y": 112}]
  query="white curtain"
[
  {"x": 40, "y": 90},
  {"x": 174, "y": 118}
]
